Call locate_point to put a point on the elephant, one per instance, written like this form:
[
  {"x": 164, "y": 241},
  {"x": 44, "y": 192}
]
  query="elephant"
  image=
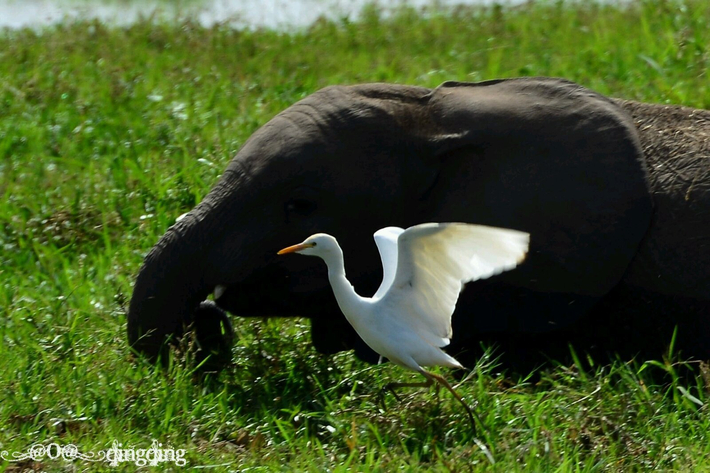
[{"x": 614, "y": 193}]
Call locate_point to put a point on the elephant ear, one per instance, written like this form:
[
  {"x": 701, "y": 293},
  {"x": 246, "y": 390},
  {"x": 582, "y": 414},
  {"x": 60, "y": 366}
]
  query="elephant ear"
[
  {"x": 549, "y": 157},
  {"x": 479, "y": 115},
  {"x": 444, "y": 143}
]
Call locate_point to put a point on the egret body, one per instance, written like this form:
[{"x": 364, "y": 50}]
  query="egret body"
[{"x": 408, "y": 320}]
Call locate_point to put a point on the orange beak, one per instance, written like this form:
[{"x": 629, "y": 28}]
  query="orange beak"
[{"x": 295, "y": 248}]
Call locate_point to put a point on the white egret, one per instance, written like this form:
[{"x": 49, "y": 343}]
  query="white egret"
[{"x": 408, "y": 320}]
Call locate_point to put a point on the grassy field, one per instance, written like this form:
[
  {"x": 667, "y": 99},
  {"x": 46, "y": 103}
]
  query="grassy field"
[{"x": 108, "y": 134}]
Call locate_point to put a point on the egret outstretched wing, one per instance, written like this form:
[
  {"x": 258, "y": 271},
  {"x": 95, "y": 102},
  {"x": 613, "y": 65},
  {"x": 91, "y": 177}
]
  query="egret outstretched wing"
[
  {"x": 386, "y": 241},
  {"x": 435, "y": 260}
]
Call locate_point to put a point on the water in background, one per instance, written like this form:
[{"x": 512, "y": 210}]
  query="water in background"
[{"x": 276, "y": 14}]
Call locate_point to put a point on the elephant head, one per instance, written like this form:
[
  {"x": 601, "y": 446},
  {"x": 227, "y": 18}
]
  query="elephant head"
[{"x": 530, "y": 154}]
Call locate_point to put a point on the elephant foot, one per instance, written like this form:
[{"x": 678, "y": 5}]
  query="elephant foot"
[{"x": 214, "y": 337}]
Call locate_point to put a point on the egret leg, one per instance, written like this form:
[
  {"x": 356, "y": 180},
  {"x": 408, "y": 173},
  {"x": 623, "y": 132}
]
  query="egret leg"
[
  {"x": 392, "y": 386},
  {"x": 430, "y": 378},
  {"x": 471, "y": 415}
]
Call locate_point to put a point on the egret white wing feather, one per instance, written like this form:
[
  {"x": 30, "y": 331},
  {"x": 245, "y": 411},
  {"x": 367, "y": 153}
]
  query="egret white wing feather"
[
  {"x": 435, "y": 260},
  {"x": 386, "y": 241}
]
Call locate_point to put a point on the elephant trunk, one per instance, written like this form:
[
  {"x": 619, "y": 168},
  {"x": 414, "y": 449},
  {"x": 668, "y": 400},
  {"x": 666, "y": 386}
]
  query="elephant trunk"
[
  {"x": 173, "y": 280},
  {"x": 168, "y": 289}
]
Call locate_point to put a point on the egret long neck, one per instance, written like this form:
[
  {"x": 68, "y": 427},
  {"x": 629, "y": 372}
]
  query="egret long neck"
[{"x": 348, "y": 299}]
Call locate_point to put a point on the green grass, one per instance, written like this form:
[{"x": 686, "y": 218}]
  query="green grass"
[{"x": 108, "y": 134}]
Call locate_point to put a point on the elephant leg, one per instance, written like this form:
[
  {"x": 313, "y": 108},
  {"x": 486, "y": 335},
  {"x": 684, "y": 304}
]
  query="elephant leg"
[{"x": 332, "y": 333}]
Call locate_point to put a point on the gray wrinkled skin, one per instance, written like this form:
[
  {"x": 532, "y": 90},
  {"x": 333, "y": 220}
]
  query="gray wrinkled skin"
[{"x": 615, "y": 195}]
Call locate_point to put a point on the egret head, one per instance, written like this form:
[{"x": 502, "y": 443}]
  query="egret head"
[{"x": 320, "y": 244}]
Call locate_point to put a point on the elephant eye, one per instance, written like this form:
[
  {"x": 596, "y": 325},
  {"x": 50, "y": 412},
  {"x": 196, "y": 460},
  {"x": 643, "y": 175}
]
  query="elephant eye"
[{"x": 302, "y": 207}]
